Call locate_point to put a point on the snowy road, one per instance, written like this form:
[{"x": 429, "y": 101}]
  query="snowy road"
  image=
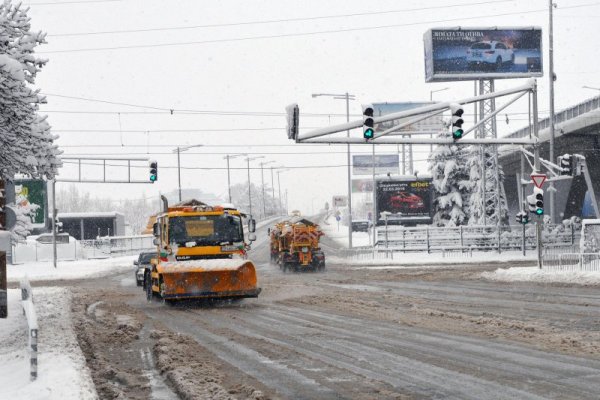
[{"x": 366, "y": 334}]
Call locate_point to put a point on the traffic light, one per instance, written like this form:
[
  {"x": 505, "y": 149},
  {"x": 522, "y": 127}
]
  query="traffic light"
[
  {"x": 457, "y": 121},
  {"x": 522, "y": 217},
  {"x": 536, "y": 202},
  {"x": 58, "y": 225},
  {"x": 293, "y": 117},
  {"x": 153, "y": 171},
  {"x": 567, "y": 163},
  {"x": 368, "y": 123}
]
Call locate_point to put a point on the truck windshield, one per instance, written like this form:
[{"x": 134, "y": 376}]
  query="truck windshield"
[{"x": 209, "y": 229}]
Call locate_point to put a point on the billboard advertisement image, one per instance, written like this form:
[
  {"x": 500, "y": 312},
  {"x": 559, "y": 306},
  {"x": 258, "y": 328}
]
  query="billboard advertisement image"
[
  {"x": 408, "y": 200},
  {"x": 32, "y": 192},
  {"x": 433, "y": 124},
  {"x": 362, "y": 185},
  {"x": 482, "y": 53},
  {"x": 384, "y": 163}
]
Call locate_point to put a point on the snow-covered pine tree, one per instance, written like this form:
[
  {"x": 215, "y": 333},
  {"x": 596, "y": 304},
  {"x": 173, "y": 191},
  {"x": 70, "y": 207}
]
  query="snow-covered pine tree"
[
  {"x": 447, "y": 165},
  {"x": 476, "y": 201},
  {"x": 26, "y": 144}
]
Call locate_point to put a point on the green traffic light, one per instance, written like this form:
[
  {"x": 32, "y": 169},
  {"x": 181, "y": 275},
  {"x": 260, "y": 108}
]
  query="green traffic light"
[
  {"x": 457, "y": 134},
  {"x": 539, "y": 211},
  {"x": 152, "y": 178},
  {"x": 368, "y": 134}
]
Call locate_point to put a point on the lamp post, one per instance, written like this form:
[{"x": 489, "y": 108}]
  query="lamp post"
[
  {"x": 431, "y": 92},
  {"x": 178, "y": 150},
  {"x": 279, "y": 189},
  {"x": 262, "y": 176},
  {"x": 346, "y": 96},
  {"x": 228, "y": 157},
  {"x": 248, "y": 159},
  {"x": 590, "y": 87}
]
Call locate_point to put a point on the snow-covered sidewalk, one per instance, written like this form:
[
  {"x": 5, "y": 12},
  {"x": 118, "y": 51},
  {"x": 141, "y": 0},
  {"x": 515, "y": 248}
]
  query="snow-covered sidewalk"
[
  {"x": 533, "y": 274},
  {"x": 42, "y": 271},
  {"x": 62, "y": 371}
]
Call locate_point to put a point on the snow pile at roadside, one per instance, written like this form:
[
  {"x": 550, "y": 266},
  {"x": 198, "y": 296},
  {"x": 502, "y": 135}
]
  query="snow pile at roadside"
[
  {"x": 533, "y": 274},
  {"x": 405, "y": 260},
  {"x": 37, "y": 271},
  {"x": 62, "y": 371},
  {"x": 339, "y": 234}
]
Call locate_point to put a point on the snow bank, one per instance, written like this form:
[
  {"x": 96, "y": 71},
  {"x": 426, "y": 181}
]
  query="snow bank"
[
  {"x": 62, "y": 371},
  {"x": 533, "y": 274},
  {"x": 37, "y": 271}
]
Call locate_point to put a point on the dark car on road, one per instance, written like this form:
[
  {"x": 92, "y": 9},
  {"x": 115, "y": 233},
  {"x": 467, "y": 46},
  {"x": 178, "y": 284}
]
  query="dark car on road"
[
  {"x": 360, "y": 225},
  {"x": 141, "y": 263}
]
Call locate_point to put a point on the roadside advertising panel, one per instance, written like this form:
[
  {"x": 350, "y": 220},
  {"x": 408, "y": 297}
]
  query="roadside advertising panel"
[
  {"x": 453, "y": 54},
  {"x": 362, "y": 185},
  {"x": 432, "y": 125},
  {"x": 384, "y": 163},
  {"x": 340, "y": 201},
  {"x": 408, "y": 200},
  {"x": 32, "y": 191}
]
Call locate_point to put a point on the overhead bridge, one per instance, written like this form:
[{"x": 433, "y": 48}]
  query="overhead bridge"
[{"x": 577, "y": 131}]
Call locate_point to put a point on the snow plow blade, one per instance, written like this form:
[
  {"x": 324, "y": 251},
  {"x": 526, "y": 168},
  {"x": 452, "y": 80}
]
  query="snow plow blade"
[{"x": 198, "y": 279}]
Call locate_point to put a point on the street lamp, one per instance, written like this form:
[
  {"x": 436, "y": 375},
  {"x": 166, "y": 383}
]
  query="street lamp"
[
  {"x": 590, "y": 87},
  {"x": 178, "y": 150},
  {"x": 262, "y": 176},
  {"x": 346, "y": 97},
  {"x": 228, "y": 157},
  {"x": 248, "y": 159},
  {"x": 279, "y": 188},
  {"x": 431, "y": 92}
]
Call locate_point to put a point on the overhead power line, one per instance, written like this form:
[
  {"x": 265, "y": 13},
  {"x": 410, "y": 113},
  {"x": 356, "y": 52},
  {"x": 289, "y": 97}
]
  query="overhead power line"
[
  {"x": 300, "y": 34},
  {"x": 274, "y": 21},
  {"x": 58, "y": 3}
]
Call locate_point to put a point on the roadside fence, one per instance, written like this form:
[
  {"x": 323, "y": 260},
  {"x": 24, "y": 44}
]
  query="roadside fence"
[
  {"x": 584, "y": 262},
  {"x": 117, "y": 246},
  {"x": 467, "y": 239},
  {"x": 32, "y": 326}
]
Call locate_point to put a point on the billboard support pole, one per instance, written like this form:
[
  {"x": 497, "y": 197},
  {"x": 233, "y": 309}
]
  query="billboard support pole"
[
  {"x": 536, "y": 169},
  {"x": 54, "y": 252}
]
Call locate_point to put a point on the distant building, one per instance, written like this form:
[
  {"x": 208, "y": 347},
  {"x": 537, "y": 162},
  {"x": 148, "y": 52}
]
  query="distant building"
[{"x": 90, "y": 225}]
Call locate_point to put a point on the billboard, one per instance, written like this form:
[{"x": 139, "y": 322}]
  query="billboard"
[
  {"x": 31, "y": 191},
  {"x": 434, "y": 124},
  {"x": 409, "y": 201},
  {"x": 453, "y": 54},
  {"x": 362, "y": 185},
  {"x": 384, "y": 163}
]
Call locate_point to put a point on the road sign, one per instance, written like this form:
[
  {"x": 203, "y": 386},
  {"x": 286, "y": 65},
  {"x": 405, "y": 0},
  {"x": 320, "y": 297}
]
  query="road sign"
[
  {"x": 538, "y": 180},
  {"x": 337, "y": 218}
]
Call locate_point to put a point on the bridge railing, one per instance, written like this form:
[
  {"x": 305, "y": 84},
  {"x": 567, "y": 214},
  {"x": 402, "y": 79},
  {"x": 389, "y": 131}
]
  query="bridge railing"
[{"x": 562, "y": 116}]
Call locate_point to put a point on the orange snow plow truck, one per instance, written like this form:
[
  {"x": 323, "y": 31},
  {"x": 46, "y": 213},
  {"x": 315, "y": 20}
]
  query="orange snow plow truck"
[
  {"x": 201, "y": 254},
  {"x": 295, "y": 245}
]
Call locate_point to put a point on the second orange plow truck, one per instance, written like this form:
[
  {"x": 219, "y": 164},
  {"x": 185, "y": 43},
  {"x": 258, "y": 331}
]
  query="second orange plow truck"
[
  {"x": 295, "y": 245},
  {"x": 201, "y": 254}
]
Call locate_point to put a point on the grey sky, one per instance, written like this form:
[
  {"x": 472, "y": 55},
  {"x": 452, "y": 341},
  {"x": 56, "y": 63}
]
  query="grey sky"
[{"x": 264, "y": 75}]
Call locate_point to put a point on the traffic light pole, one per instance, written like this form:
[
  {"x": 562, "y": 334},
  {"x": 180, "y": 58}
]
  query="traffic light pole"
[
  {"x": 54, "y": 212},
  {"x": 536, "y": 169},
  {"x": 350, "y": 175}
]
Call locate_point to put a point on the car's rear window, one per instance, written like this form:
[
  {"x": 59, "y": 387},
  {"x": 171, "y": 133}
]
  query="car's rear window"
[{"x": 481, "y": 46}]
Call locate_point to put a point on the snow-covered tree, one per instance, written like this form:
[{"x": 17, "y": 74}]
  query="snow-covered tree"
[
  {"x": 23, "y": 227},
  {"x": 239, "y": 197},
  {"x": 26, "y": 144},
  {"x": 447, "y": 165},
  {"x": 486, "y": 211}
]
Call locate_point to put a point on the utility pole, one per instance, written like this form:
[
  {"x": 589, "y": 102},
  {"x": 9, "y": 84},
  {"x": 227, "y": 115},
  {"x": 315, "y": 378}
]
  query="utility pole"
[
  {"x": 228, "y": 179},
  {"x": 347, "y": 97},
  {"x": 262, "y": 175},
  {"x": 179, "y": 171}
]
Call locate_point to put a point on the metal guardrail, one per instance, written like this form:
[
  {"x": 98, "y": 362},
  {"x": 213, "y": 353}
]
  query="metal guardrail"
[
  {"x": 462, "y": 239},
  {"x": 32, "y": 326},
  {"x": 583, "y": 262},
  {"x": 117, "y": 245},
  {"x": 562, "y": 116}
]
